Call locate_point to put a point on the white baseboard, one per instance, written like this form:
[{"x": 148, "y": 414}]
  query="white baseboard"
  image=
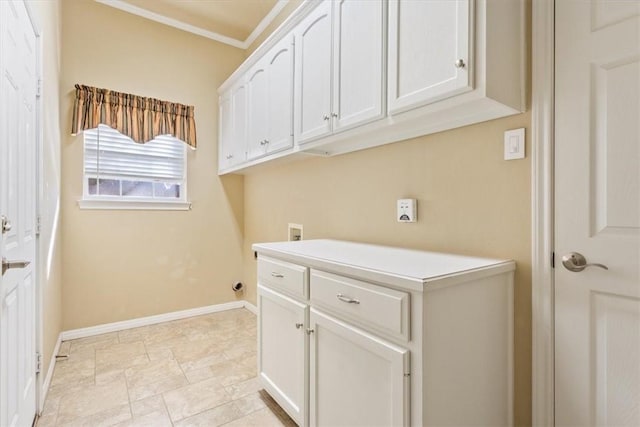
[
  {"x": 47, "y": 379},
  {"x": 252, "y": 308},
  {"x": 152, "y": 320}
]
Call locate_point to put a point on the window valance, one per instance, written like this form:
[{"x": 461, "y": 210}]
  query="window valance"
[{"x": 140, "y": 118}]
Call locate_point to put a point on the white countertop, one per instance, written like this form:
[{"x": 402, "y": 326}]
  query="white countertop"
[{"x": 408, "y": 267}]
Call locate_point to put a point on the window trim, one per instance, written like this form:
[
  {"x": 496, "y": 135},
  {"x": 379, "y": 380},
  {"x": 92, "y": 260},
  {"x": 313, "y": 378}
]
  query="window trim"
[{"x": 134, "y": 203}]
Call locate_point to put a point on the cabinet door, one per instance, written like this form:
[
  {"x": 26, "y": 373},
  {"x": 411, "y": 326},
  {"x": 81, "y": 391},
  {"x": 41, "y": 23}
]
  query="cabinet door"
[
  {"x": 257, "y": 125},
  {"x": 280, "y": 96},
  {"x": 358, "y": 40},
  {"x": 283, "y": 351},
  {"x": 313, "y": 74},
  {"x": 239, "y": 122},
  {"x": 226, "y": 152},
  {"x": 427, "y": 39},
  {"x": 356, "y": 379}
]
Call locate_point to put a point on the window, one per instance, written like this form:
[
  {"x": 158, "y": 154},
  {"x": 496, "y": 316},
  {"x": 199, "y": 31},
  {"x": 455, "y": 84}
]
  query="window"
[{"x": 116, "y": 169}]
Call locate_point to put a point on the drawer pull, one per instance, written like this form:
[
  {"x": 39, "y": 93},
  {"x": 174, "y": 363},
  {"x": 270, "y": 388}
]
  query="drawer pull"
[
  {"x": 347, "y": 299},
  {"x": 278, "y": 275}
]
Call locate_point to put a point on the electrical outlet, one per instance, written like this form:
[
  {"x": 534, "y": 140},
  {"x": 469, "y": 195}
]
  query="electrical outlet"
[{"x": 407, "y": 210}]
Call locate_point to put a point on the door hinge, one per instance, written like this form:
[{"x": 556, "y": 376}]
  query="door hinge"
[
  {"x": 553, "y": 260},
  {"x": 39, "y": 88},
  {"x": 38, "y": 224},
  {"x": 38, "y": 362}
]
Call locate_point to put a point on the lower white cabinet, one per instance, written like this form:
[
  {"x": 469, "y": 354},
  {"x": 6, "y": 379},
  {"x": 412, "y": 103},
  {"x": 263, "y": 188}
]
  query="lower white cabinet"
[
  {"x": 356, "y": 379},
  {"x": 283, "y": 355},
  {"x": 354, "y": 334}
]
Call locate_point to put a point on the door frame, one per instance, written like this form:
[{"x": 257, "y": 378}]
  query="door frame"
[
  {"x": 39, "y": 168},
  {"x": 542, "y": 212}
]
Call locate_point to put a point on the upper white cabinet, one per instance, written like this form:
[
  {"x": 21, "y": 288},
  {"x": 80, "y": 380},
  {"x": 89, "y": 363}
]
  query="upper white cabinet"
[
  {"x": 280, "y": 96},
  {"x": 428, "y": 51},
  {"x": 232, "y": 122},
  {"x": 270, "y": 85},
  {"x": 358, "y": 62},
  {"x": 258, "y": 111},
  {"x": 339, "y": 63},
  {"x": 225, "y": 123},
  {"x": 313, "y": 74},
  {"x": 344, "y": 75}
]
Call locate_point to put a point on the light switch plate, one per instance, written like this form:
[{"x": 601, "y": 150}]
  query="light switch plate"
[
  {"x": 407, "y": 210},
  {"x": 514, "y": 144}
]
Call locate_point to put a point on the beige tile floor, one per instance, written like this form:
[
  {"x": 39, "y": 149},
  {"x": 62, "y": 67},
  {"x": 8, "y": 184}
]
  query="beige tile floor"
[{"x": 199, "y": 371}]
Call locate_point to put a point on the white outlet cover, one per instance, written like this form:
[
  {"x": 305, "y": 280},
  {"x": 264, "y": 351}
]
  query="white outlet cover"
[{"x": 407, "y": 210}]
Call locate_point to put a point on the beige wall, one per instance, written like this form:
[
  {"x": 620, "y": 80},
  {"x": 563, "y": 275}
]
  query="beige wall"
[
  {"x": 48, "y": 19},
  {"x": 121, "y": 265}
]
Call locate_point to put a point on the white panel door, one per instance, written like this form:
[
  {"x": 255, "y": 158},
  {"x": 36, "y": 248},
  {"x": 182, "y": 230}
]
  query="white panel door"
[
  {"x": 239, "y": 113},
  {"x": 258, "y": 116},
  {"x": 18, "y": 205},
  {"x": 356, "y": 379},
  {"x": 597, "y": 200},
  {"x": 313, "y": 75},
  {"x": 429, "y": 49},
  {"x": 280, "y": 96},
  {"x": 358, "y": 47},
  {"x": 283, "y": 351}
]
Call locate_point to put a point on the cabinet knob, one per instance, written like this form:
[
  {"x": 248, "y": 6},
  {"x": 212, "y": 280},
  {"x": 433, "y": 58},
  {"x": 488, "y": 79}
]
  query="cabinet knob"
[
  {"x": 229, "y": 156},
  {"x": 334, "y": 114},
  {"x": 326, "y": 117},
  {"x": 460, "y": 63},
  {"x": 309, "y": 331},
  {"x": 299, "y": 325}
]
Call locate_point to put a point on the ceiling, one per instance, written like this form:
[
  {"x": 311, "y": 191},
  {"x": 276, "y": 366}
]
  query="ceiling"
[{"x": 235, "y": 22}]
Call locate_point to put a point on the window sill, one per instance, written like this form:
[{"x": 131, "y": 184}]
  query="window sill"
[{"x": 134, "y": 205}]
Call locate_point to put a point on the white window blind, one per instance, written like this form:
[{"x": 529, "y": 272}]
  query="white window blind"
[{"x": 115, "y": 166}]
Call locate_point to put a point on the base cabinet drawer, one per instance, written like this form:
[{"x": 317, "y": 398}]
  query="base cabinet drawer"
[
  {"x": 375, "y": 307},
  {"x": 284, "y": 276},
  {"x": 356, "y": 379}
]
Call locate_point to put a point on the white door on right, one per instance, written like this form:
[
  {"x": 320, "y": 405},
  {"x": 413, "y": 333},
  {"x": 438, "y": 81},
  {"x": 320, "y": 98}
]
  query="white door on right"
[{"x": 597, "y": 218}]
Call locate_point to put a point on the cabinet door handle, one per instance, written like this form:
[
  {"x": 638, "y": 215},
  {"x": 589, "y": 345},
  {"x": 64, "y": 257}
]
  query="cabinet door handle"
[
  {"x": 309, "y": 331},
  {"x": 347, "y": 299},
  {"x": 326, "y": 117},
  {"x": 460, "y": 63},
  {"x": 299, "y": 325},
  {"x": 334, "y": 115},
  {"x": 278, "y": 275}
]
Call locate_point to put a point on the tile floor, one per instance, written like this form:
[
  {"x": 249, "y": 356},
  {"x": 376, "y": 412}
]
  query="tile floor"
[{"x": 199, "y": 371}]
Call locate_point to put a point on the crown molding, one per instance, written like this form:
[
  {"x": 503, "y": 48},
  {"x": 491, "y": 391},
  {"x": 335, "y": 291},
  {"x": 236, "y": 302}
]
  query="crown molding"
[
  {"x": 241, "y": 44},
  {"x": 268, "y": 19}
]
